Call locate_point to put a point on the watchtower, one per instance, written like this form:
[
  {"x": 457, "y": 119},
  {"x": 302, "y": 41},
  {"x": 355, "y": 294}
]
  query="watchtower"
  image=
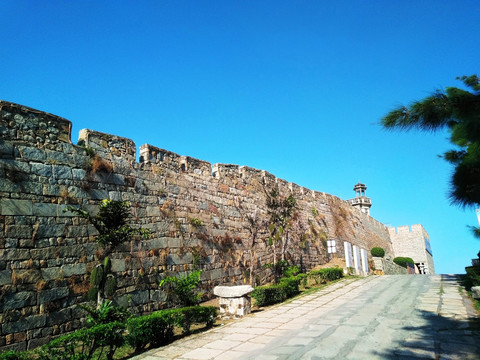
[{"x": 361, "y": 200}]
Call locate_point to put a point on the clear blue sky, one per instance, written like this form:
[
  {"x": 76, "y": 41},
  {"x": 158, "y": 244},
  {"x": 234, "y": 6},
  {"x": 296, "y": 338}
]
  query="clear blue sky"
[{"x": 296, "y": 88}]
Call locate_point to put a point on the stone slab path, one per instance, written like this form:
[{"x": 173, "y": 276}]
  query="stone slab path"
[{"x": 378, "y": 317}]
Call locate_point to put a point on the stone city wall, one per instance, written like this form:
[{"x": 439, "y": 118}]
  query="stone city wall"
[{"x": 47, "y": 254}]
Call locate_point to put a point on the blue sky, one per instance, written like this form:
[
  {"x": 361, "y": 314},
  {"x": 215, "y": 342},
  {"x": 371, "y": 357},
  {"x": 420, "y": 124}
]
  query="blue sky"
[{"x": 296, "y": 88}]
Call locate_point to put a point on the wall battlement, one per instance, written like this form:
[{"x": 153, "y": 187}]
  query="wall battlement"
[{"x": 46, "y": 254}]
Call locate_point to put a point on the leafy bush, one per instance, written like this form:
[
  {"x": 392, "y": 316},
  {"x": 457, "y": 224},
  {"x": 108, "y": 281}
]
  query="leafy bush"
[
  {"x": 378, "y": 252},
  {"x": 185, "y": 317},
  {"x": 324, "y": 275},
  {"x": 82, "y": 344},
  {"x": 183, "y": 288},
  {"x": 472, "y": 277},
  {"x": 403, "y": 261},
  {"x": 155, "y": 329},
  {"x": 273, "y": 294},
  {"x": 15, "y": 355},
  {"x": 291, "y": 271},
  {"x": 106, "y": 313}
]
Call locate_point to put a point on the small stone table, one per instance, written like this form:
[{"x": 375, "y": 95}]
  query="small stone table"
[{"x": 234, "y": 300}]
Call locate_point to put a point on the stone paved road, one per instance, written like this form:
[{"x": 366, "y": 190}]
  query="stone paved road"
[{"x": 378, "y": 317}]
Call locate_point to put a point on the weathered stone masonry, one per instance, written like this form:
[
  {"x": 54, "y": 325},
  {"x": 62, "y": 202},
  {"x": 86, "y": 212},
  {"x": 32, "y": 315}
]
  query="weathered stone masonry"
[{"x": 46, "y": 254}]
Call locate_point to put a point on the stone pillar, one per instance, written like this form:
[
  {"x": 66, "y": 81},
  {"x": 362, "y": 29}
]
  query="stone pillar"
[{"x": 234, "y": 300}]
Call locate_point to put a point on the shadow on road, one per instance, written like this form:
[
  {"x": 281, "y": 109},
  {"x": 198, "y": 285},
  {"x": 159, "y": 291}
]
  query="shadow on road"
[{"x": 439, "y": 338}]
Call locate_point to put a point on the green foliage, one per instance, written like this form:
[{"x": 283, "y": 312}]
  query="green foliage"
[
  {"x": 96, "y": 277},
  {"x": 85, "y": 343},
  {"x": 291, "y": 271},
  {"x": 110, "y": 285},
  {"x": 196, "y": 222},
  {"x": 289, "y": 286},
  {"x": 458, "y": 111},
  {"x": 183, "y": 288},
  {"x": 278, "y": 269},
  {"x": 185, "y": 317},
  {"x": 111, "y": 222},
  {"x": 403, "y": 261},
  {"x": 155, "y": 329},
  {"x": 472, "y": 277},
  {"x": 16, "y": 355},
  {"x": 273, "y": 294},
  {"x": 106, "y": 313},
  {"x": 378, "y": 252},
  {"x": 326, "y": 274}
]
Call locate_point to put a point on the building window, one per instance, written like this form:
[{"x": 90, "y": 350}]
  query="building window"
[{"x": 332, "y": 246}]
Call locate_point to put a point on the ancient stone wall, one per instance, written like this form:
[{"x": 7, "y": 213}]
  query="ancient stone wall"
[{"x": 196, "y": 214}]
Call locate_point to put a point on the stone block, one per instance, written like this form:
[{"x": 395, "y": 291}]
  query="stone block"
[
  {"x": 98, "y": 194},
  {"x": 31, "y": 322},
  {"x": 18, "y": 300},
  {"x": 41, "y": 169},
  {"x": 53, "y": 294},
  {"x": 235, "y": 306},
  {"x": 158, "y": 243},
  {"x": 62, "y": 172},
  {"x": 232, "y": 291},
  {"x": 45, "y": 209},
  {"x": 5, "y": 277},
  {"x": 158, "y": 295},
  {"x": 59, "y": 317},
  {"x": 29, "y": 276},
  {"x": 118, "y": 265},
  {"x": 76, "y": 269},
  {"x": 79, "y": 174},
  {"x": 153, "y": 211},
  {"x": 16, "y": 207},
  {"x": 30, "y": 153},
  {"x": 476, "y": 292},
  {"x": 19, "y": 231},
  {"x": 47, "y": 231},
  {"x": 51, "y": 273}
]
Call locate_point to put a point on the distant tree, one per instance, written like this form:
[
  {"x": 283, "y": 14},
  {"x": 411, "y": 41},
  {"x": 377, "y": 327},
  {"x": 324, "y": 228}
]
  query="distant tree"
[{"x": 458, "y": 111}]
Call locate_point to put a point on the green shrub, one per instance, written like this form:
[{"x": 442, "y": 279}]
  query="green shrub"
[
  {"x": 377, "y": 252},
  {"x": 291, "y": 271},
  {"x": 472, "y": 277},
  {"x": 403, "y": 261},
  {"x": 16, "y": 355},
  {"x": 185, "y": 317},
  {"x": 183, "y": 289},
  {"x": 82, "y": 344},
  {"x": 273, "y": 294},
  {"x": 107, "y": 312},
  {"x": 155, "y": 329},
  {"x": 324, "y": 275}
]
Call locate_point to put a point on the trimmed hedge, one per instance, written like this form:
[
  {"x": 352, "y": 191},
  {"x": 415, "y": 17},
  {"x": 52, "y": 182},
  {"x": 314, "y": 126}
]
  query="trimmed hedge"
[
  {"x": 185, "y": 317},
  {"x": 273, "y": 294},
  {"x": 15, "y": 355},
  {"x": 288, "y": 287},
  {"x": 157, "y": 329},
  {"x": 325, "y": 275},
  {"x": 378, "y": 252},
  {"x": 403, "y": 261},
  {"x": 82, "y": 344}
]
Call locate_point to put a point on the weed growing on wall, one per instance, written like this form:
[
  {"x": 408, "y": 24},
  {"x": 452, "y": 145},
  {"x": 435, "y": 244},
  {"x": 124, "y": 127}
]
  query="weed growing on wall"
[{"x": 111, "y": 222}]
